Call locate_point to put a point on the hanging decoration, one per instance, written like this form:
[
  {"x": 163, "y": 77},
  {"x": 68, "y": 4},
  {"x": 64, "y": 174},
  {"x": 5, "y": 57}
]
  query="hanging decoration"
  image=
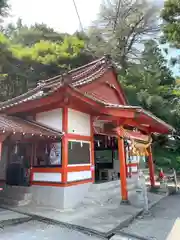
[{"x": 137, "y": 147}]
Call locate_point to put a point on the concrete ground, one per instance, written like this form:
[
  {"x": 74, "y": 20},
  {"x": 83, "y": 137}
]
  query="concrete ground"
[
  {"x": 163, "y": 223},
  {"x": 99, "y": 213},
  {"x": 8, "y": 217},
  {"x": 41, "y": 231}
]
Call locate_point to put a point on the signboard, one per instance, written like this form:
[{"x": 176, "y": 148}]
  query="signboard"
[{"x": 55, "y": 153}]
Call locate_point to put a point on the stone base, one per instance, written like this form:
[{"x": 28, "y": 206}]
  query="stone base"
[{"x": 45, "y": 196}]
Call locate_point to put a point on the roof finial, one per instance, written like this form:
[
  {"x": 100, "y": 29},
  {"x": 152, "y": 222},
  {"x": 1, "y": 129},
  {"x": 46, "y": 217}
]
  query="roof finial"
[{"x": 108, "y": 58}]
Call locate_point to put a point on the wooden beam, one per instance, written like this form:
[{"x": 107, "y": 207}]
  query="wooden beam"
[
  {"x": 133, "y": 123},
  {"x": 117, "y": 112}
]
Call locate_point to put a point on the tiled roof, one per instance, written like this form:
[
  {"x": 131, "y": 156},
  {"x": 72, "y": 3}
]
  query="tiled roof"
[
  {"x": 140, "y": 110},
  {"x": 74, "y": 78},
  {"x": 11, "y": 124},
  {"x": 137, "y": 109}
]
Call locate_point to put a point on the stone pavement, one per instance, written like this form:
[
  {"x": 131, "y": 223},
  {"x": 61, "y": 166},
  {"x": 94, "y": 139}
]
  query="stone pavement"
[
  {"x": 100, "y": 213},
  {"x": 164, "y": 221},
  {"x": 8, "y": 217},
  {"x": 35, "y": 230}
]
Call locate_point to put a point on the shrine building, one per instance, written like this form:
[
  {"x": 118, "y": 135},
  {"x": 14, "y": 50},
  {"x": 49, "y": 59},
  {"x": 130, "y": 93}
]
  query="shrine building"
[{"x": 72, "y": 131}]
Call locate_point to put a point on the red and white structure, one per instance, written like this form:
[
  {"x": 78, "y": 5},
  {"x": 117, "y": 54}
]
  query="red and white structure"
[{"x": 53, "y": 126}]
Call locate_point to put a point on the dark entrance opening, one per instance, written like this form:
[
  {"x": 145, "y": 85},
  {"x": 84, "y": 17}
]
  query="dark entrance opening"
[
  {"x": 106, "y": 158},
  {"x": 18, "y": 168}
]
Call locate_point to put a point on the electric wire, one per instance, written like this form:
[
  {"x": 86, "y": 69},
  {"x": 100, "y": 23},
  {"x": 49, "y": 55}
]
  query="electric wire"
[{"x": 82, "y": 29}]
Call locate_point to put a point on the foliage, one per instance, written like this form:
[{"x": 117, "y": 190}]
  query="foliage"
[
  {"x": 167, "y": 158},
  {"x": 149, "y": 83},
  {"x": 121, "y": 28},
  {"x": 27, "y": 36},
  {"x": 171, "y": 25},
  {"x": 3, "y": 7},
  {"x": 23, "y": 64}
]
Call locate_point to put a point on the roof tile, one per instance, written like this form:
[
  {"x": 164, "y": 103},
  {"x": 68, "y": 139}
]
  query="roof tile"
[{"x": 13, "y": 124}]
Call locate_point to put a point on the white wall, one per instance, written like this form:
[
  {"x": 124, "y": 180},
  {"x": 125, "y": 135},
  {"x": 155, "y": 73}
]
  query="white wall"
[
  {"x": 47, "y": 177},
  {"x": 52, "y": 118},
  {"x": 79, "y": 123},
  {"x": 77, "y": 176}
]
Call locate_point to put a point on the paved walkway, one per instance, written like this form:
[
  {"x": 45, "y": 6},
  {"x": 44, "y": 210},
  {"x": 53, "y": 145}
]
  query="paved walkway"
[
  {"x": 8, "y": 217},
  {"x": 100, "y": 213},
  {"x": 164, "y": 224},
  {"x": 35, "y": 230}
]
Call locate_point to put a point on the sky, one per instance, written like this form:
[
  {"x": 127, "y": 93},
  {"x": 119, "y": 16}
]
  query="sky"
[{"x": 59, "y": 14}]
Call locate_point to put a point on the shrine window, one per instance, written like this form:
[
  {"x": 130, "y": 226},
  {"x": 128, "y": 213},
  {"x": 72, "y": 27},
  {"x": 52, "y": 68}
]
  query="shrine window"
[
  {"x": 48, "y": 154},
  {"x": 78, "y": 152}
]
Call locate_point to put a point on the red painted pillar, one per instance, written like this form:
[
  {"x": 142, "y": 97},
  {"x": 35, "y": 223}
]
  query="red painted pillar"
[
  {"x": 151, "y": 167},
  {"x": 92, "y": 151},
  {"x": 64, "y": 144},
  {"x": 122, "y": 159}
]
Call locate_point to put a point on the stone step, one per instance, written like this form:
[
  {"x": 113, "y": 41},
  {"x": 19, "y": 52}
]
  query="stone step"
[
  {"x": 15, "y": 189},
  {"x": 106, "y": 193},
  {"x": 131, "y": 183},
  {"x": 18, "y": 196},
  {"x": 14, "y": 202}
]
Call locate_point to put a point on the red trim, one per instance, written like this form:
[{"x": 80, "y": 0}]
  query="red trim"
[
  {"x": 61, "y": 184},
  {"x": 47, "y": 170},
  {"x": 155, "y": 126},
  {"x": 121, "y": 91},
  {"x": 133, "y": 123},
  {"x": 79, "y": 95},
  {"x": 78, "y": 182},
  {"x": 121, "y": 113},
  {"x": 78, "y": 168},
  {"x": 132, "y": 164}
]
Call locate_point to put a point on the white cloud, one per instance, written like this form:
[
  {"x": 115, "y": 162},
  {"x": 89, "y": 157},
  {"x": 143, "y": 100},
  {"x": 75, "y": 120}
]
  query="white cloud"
[{"x": 58, "y": 14}]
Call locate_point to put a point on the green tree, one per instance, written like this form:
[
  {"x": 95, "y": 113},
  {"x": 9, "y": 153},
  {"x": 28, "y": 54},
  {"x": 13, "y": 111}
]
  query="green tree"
[
  {"x": 3, "y": 7},
  {"x": 23, "y": 66},
  {"x": 121, "y": 28},
  {"x": 171, "y": 24},
  {"x": 149, "y": 83},
  {"x": 27, "y": 36}
]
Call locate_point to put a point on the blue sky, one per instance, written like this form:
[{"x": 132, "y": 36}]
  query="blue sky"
[{"x": 61, "y": 15}]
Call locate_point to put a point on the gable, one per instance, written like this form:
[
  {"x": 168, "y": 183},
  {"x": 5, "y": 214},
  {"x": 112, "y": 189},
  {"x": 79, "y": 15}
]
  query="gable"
[{"x": 106, "y": 88}]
